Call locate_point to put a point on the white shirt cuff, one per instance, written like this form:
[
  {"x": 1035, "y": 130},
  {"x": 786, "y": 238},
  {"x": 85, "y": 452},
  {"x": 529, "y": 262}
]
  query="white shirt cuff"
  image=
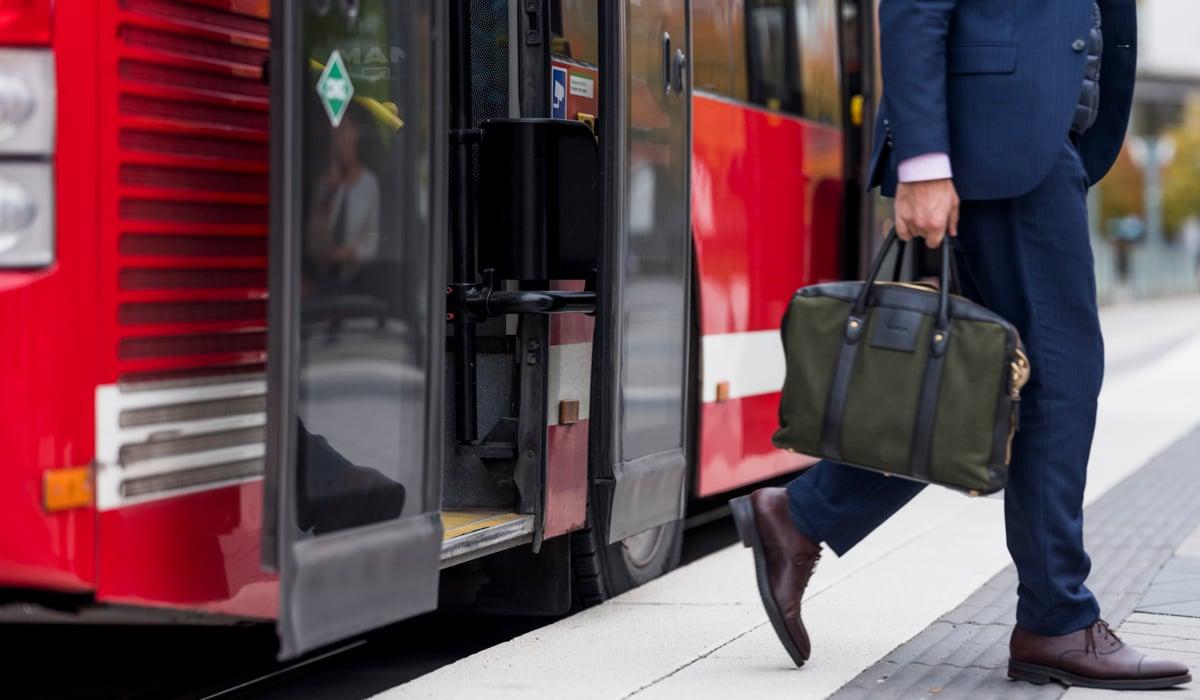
[{"x": 930, "y": 166}]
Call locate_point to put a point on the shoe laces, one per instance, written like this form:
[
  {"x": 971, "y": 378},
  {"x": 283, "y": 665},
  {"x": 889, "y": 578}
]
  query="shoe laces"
[{"x": 1102, "y": 630}]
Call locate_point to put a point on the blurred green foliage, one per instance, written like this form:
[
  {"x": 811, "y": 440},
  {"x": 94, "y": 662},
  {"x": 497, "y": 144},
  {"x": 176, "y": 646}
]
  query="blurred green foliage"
[
  {"x": 1181, "y": 177},
  {"x": 1122, "y": 191}
]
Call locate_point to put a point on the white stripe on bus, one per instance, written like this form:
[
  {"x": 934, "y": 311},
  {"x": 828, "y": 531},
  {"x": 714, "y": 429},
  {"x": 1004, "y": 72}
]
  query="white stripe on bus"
[
  {"x": 569, "y": 378},
  {"x": 751, "y": 362}
]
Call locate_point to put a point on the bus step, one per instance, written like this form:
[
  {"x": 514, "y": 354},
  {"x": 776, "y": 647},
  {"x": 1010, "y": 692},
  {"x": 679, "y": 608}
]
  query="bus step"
[{"x": 472, "y": 533}]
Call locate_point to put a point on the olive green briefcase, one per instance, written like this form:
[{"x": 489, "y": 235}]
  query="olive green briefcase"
[{"x": 902, "y": 379}]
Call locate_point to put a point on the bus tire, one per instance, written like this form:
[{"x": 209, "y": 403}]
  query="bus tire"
[{"x": 601, "y": 570}]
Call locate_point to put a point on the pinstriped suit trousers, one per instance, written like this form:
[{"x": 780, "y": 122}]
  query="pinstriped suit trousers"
[{"x": 1029, "y": 259}]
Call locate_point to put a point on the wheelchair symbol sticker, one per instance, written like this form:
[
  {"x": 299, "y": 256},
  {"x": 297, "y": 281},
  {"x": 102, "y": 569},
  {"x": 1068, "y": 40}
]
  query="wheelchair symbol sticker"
[{"x": 558, "y": 92}]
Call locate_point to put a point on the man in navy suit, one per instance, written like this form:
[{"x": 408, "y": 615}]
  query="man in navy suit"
[{"x": 997, "y": 116}]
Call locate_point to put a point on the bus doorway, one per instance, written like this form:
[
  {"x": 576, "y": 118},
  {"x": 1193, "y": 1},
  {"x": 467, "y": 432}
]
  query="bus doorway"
[{"x": 480, "y": 327}]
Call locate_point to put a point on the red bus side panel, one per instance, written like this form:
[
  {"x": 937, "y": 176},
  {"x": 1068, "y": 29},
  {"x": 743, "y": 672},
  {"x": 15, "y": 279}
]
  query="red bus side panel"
[
  {"x": 47, "y": 322},
  {"x": 569, "y": 382},
  {"x": 766, "y": 210},
  {"x": 182, "y": 230},
  {"x": 200, "y": 551}
]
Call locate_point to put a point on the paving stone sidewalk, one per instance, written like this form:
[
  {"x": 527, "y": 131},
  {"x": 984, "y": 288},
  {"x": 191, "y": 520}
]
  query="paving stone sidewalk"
[
  {"x": 1144, "y": 537},
  {"x": 1166, "y": 623}
]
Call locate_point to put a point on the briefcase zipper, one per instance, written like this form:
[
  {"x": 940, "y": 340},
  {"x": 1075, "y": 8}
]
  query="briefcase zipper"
[
  {"x": 919, "y": 286},
  {"x": 1019, "y": 376}
]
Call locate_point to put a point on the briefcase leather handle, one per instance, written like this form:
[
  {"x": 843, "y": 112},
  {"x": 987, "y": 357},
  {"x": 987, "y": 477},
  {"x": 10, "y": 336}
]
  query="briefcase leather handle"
[
  {"x": 955, "y": 277},
  {"x": 856, "y": 323}
]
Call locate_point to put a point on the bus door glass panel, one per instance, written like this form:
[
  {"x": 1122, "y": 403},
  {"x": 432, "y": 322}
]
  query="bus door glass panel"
[
  {"x": 655, "y": 318},
  {"x": 355, "y": 449},
  {"x": 646, "y": 355},
  {"x": 364, "y": 307}
]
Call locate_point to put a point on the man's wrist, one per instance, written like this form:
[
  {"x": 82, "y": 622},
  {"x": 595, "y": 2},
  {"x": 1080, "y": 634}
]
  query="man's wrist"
[{"x": 929, "y": 166}]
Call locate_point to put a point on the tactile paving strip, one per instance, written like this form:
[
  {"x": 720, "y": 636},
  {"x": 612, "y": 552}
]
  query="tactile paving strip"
[{"x": 1131, "y": 532}]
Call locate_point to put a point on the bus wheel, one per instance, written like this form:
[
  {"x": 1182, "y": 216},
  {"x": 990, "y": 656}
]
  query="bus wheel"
[{"x": 603, "y": 570}]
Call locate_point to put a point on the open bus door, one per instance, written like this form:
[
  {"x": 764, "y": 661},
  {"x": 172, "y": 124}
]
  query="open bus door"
[
  {"x": 351, "y": 519},
  {"x": 640, "y": 368}
]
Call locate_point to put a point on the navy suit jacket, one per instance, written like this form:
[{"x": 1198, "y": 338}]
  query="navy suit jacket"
[{"x": 994, "y": 83}]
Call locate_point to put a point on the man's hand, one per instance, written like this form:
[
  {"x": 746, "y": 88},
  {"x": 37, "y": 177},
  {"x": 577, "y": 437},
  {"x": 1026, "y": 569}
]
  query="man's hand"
[{"x": 926, "y": 209}]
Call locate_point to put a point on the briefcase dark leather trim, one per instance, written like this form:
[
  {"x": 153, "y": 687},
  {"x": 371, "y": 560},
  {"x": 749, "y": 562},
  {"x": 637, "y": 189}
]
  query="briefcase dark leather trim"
[{"x": 903, "y": 379}]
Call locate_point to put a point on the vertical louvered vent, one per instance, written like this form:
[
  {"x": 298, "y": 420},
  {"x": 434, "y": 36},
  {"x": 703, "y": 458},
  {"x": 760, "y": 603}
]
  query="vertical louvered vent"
[{"x": 183, "y": 235}]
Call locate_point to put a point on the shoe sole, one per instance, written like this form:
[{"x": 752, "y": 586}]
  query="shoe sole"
[
  {"x": 1041, "y": 675},
  {"x": 747, "y": 528}
]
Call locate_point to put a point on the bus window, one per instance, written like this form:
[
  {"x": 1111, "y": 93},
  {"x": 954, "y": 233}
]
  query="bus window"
[
  {"x": 719, "y": 48},
  {"x": 792, "y": 52},
  {"x": 817, "y": 34},
  {"x": 774, "y": 78},
  {"x": 576, "y": 32}
]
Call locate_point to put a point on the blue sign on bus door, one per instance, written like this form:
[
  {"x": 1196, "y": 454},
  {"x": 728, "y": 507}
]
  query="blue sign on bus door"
[{"x": 558, "y": 92}]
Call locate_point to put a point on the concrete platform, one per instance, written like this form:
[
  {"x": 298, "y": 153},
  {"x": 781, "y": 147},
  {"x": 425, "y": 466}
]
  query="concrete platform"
[{"x": 700, "y": 632}]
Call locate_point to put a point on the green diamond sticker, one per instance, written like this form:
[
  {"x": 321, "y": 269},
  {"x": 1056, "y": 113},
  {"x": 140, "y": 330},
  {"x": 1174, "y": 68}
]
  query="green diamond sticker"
[{"x": 335, "y": 89}]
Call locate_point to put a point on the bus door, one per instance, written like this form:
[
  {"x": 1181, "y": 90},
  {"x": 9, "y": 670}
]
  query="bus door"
[
  {"x": 354, "y": 444},
  {"x": 640, "y": 368}
]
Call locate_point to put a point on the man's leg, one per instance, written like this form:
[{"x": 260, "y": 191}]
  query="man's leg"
[
  {"x": 840, "y": 505},
  {"x": 1030, "y": 260}
]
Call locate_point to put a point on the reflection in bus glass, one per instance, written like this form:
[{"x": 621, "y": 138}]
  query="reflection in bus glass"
[{"x": 363, "y": 308}]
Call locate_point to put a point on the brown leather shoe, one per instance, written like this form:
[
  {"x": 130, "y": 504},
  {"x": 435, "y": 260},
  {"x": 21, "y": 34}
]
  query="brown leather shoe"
[
  {"x": 1090, "y": 658},
  {"x": 784, "y": 561}
]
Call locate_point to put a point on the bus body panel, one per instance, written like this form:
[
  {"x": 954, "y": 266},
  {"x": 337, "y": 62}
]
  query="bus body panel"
[
  {"x": 44, "y": 425},
  {"x": 180, "y": 225},
  {"x": 200, "y": 552},
  {"x": 569, "y": 376},
  {"x": 766, "y": 207},
  {"x": 47, "y": 322}
]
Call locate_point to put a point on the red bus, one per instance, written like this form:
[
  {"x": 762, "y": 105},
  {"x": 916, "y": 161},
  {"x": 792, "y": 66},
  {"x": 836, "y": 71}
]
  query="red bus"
[{"x": 321, "y": 311}]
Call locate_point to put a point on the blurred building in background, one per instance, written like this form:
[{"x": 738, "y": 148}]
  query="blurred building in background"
[{"x": 1146, "y": 213}]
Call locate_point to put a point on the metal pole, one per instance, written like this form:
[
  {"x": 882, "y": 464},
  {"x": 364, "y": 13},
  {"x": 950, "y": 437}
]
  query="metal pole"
[
  {"x": 462, "y": 216},
  {"x": 1152, "y": 177}
]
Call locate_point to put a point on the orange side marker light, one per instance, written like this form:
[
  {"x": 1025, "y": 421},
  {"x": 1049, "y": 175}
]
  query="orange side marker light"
[{"x": 65, "y": 489}]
